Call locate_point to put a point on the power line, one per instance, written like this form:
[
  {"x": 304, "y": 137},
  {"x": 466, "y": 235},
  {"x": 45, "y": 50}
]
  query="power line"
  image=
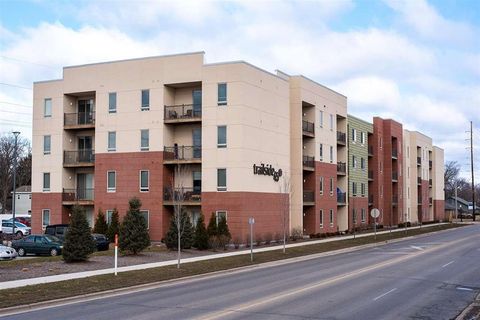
[
  {"x": 34, "y": 63},
  {"x": 16, "y": 104},
  {"x": 15, "y": 112},
  {"x": 14, "y": 85},
  {"x": 16, "y": 121}
]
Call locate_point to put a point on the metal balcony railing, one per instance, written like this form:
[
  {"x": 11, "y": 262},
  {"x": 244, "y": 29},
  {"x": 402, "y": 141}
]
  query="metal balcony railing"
[
  {"x": 182, "y": 195},
  {"x": 341, "y": 167},
  {"x": 78, "y": 194},
  {"x": 79, "y": 118},
  {"x": 308, "y": 127},
  {"x": 308, "y": 162},
  {"x": 308, "y": 196},
  {"x": 341, "y": 137},
  {"x": 182, "y": 153},
  {"x": 79, "y": 157},
  {"x": 183, "y": 111},
  {"x": 341, "y": 197}
]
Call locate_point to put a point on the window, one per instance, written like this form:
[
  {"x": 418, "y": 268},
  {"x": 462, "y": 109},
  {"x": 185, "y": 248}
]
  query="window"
[
  {"x": 321, "y": 185},
  {"x": 362, "y": 188},
  {"x": 354, "y": 135},
  {"x": 331, "y": 217},
  {"x": 331, "y": 186},
  {"x": 362, "y": 137},
  {"x": 321, "y": 218},
  {"x": 354, "y": 188},
  {"x": 195, "y": 215},
  {"x": 109, "y": 216},
  {"x": 321, "y": 119},
  {"x": 89, "y": 216},
  {"x": 331, "y": 154},
  {"x": 46, "y": 181},
  {"x": 112, "y": 102},
  {"x": 354, "y": 216},
  {"x": 219, "y": 215},
  {"x": 222, "y": 136},
  {"x": 145, "y": 100},
  {"x": 362, "y": 163},
  {"x": 146, "y": 215},
  {"x": 221, "y": 179},
  {"x": 354, "y": 162},
  {"x": 46, "y": 144},
  {"x": 45, "y": 218},
  {"x": 111, "y": 181},
  {"x": 222, "y": 94},
  {"x": 144, "y": 140},
  {"x": 144, "y": 180},
  {"x": 47, "y": 108},
  {"x": 321, "y": 151},
  {"x": 331, "y": 122},
  {"x": 381, "y": 143},
  {"x": 364, "y": 215},
  {"x": 112, "y": 141}
]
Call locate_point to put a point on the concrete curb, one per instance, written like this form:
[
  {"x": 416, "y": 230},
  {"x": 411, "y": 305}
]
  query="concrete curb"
[
  {"x": 472, "y": 311},
  {"x": 85, "y": 274}
]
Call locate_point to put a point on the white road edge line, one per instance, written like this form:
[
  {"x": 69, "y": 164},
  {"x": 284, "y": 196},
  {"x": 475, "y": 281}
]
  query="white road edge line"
[
  {"x": 417, "y": 248},
  {"x": 447, "y": 264},
  {"x": 383, "y": 295},
  {"x": 464, "y": 289}
]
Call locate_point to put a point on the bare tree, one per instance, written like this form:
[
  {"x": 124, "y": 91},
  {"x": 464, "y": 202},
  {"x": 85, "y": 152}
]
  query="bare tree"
[
  {"x": 286, "y": 190},
  {"x": 452, "y": 170}
]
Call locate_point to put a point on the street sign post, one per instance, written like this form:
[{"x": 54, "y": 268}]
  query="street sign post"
[
  {"x": 375, "y": 213},
  {"x": 251, "y": 222}
]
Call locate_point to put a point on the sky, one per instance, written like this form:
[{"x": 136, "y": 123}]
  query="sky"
[{"x": 415, "y": 61}]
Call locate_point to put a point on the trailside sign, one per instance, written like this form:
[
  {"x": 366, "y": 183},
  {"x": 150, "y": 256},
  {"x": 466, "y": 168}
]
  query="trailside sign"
[{"x": 267, "y": 170}]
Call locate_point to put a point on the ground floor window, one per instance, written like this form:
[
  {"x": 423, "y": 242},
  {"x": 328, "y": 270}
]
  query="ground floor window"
[
  {"x": 364, "y": 215},
  {"x": 45, "y": 218},
  {"x": 219, "y": 215},
  {"x": 109, "y": 216},
  {"x": 331, "y": 217},
  {"x": 321, "y": 218},
  {"x": 146, "y": 216}
]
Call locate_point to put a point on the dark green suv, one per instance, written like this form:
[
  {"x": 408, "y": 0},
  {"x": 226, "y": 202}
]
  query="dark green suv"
[{"x": 38, "y": 244}]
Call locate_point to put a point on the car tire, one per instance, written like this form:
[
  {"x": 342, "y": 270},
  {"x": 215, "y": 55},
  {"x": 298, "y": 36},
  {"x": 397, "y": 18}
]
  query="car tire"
[
  {"x": 53, "y": 252},
  {"x": 21, "y": 252}
]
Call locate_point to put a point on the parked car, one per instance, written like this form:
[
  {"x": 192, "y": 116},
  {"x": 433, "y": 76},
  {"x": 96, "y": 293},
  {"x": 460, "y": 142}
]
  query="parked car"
[
  {"x": 38, "y": 244},
  {"x": 57, "y": 230},
  {"x": 101, "y": 241},
  {"x": 7, "y": 253},
  {"x": 25, "y": 220},
  {"x": 20, "y": 229}
]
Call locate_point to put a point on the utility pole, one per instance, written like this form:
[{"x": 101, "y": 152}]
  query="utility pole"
[
  {"x": 471, "y": 164},
  {"x": 15, "y": 133}
]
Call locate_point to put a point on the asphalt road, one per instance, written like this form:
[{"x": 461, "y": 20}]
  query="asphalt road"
[{"x": 429, "y": 277}]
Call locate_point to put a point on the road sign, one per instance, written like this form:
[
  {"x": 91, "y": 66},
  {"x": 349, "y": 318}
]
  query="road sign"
[
  {"x": 251, "y": 220},
  {"x": 375, "y": 213}
]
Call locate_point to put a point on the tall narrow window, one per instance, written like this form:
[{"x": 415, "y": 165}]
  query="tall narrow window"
[
  {"x": 109, "y": 214},
  {"x": 112, "y": 102},
  {"x": 321, "y": 119},
  {"x": 331, "y": 154},
  {"x": 362, "y": 189},
  {"x": 354, "y": 162},
  {"x": 47, "y": 108},
  {"x": 112, "y": 141},
  {"x": 321, "y": 218},
  {"x": 354, "y": 135},
  {"x": 362, "y": 163},
  {"x": 111, "y": 181},
  {"x": 144, "y": 140},
  {"x": 144, "y": 180},
  {"x": 362, "y": 137},
  {"x": 222, "y": 136},
  {"x": 45, "y": 218},
  {"x": 354, "y": 216},
  {"x": 222, "y": 94},
  {"x": 46, "y": 144},
  {"x": 146, "y": 216},
  {"x": 219, "y": 215},
  {"x": 354, "y": 188},
  {"x": 321, "y": 185},
  {"x": 331, "y": 122},
  {"x": 331, "y": 217},
  {"x": 364, "y": 215},
  {"x": 145, "y": 100},
  {"x": 46, "y": 181},
  {"x": 321, "y": 151},
  {"x": 331, "y": 186},
  {"x": 221, "y": 179}
]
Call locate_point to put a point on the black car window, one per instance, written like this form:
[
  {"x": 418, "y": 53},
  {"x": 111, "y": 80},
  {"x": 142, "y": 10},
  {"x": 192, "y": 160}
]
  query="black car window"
[
  {"x": 38, "y": 239},
  {"x": 60, "y": 230},
  {"x": 50, "y": 230},
  {"x": 29, "y": 239},
  {"x": 52, "y": 239}
]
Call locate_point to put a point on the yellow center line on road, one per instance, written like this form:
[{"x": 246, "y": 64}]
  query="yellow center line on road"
[{"x": 244, "y": 306}]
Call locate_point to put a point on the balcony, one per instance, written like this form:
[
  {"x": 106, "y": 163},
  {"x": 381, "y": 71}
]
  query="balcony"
[
  {"x": 341, "y": 168},
  {"x": 183, "y": 196},
  {"x": 182, "y": 154},
  {"x": 394, "y": 200},
  {"x": 308, "y": 198},
  {"x": 341, "y": 198},
  {"x": 370, "y": 175},
  {"x": 79, "y": 196},
  {"x": 394, "y": 176},
  {"x": 419, "y": 181},
  {"x": 430, "y": 183},
  {"x": 430, "y": 201},
  {"x": 394, "y": 154},
  {"x": 79, "y": 120},
  {"x": 370, "y": 200},
  {"x": 370, "y": 151},
  {"x": 79, "y": 158},
  {"x": 308, "y": 129},
  {"x": 183, "y": 113},
  {"x": 308, "y": 163},
  {"x": 419, "y": 161},
  {"x": 341, "y": 138}
]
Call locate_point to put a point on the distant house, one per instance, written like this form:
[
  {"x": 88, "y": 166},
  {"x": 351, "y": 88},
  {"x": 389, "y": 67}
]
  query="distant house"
[
  {"x": 23, "y": 200},
  {"x": 463, "y": 206}
]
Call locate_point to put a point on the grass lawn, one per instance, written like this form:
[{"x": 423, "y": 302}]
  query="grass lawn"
[{"x": 69, "y": 288}]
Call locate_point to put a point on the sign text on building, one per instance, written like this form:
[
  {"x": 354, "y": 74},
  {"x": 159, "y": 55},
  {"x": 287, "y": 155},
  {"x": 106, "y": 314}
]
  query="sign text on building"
[{"x": 267, "y": 170}]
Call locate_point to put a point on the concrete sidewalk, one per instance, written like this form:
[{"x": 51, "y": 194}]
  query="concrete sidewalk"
[{"x": 85, "y": 274}]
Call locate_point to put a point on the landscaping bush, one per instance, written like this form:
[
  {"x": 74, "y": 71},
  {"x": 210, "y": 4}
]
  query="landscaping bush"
[
  {"x": 114, "y": 226},
  {"x": 212, "y": 232},
  {"x": 186, "y": 239},
  {"x": 101, "y": 225},
  {"x": 258, "y": 239},
  {"x": 297, "y": 234},
  {"x": 223, "y": 233},
  {"x": 201, "y": 236},
  {"x": 134, "y": 235},
  {"x": 268, "y": 238},
  {"x": 79, "y": 243}
]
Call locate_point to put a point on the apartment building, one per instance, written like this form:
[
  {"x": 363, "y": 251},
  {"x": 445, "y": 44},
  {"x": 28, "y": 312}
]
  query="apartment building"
[{"x": 358, "y": 171}]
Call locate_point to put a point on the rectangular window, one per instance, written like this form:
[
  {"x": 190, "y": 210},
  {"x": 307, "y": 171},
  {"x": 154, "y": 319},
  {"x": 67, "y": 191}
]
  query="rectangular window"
[
  {"x": 47, "y": 108},
  {"x": 144, "y": 139},
  {"x": 222, "y": 136},
  {"x": 331, "y": 217},
  {"x": 145, "y": 100},
  {"x": 111, "y": 181},
  {"x": 362, "y": 186},
  {"x": 321, "y": 119},
  {"x": 354, "y": 135},
  {"x": 321, "y": 151},
  {"x": 364, "y": 215},
  {"x": 331, "y": 186},
  {"x": 321, "y": 218},
  {"x": 354, "y": 216},
  {"x": 362, "y": 137},
  {"x": 144, "y": 180},
  {"x": 112, "y": 102},
  {"x": 146, "y": 215},
  {"x": 354, "y": 188},
  {"x": 222, "y": 94},
  {"x": 331, "y": 122},
  {"x": 46, "y": 144},
  {"x": 354, "y": 162},
  {"x": 109, "y": 214},
  {"x": 45, "y": 218},
  {"x": 112, "y": 141},
  {"x": 219, "y": 215},
  {"x": 362, "y": 163},
  {"x": 331, "y": 154},
  {"x": 46, "y": 181},
  {"x": 221, "y": 179},
  {"x": 321, "y": 185}
]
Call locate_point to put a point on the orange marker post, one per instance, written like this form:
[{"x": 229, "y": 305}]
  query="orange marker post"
[{"x": 116, "y": 252}]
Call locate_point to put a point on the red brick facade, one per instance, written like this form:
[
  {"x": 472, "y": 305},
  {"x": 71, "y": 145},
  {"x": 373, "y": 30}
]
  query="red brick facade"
[
  {"x": 47, "y": 200},
  {"x": 357, "y": 203},
  {"x": 439, "y": 210}
]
